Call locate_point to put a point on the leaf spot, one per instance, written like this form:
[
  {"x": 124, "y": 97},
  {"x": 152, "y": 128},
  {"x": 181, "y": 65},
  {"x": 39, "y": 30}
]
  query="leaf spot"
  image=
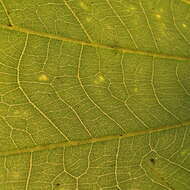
[
  {"x": 184, "y": 25},
  {"x": 136, "y": 89},
  {"x": 153, "y": 161},
  {"x": 83, "y": 5},
  {"x": 184, "y": 152},
  {"x": 88, "y": 19},
  {"x": 10, "y": 25},
  {"x": 158, "y": 16},
  {"x": 99, "y": 79},
  {"x": 43, "y": 77}
]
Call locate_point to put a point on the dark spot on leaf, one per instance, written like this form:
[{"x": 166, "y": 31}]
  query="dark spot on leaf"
[
  {"x": 10, "y": 25},
  {"x": 57, "y": 184},
  {"x": 152, "y": 160}
]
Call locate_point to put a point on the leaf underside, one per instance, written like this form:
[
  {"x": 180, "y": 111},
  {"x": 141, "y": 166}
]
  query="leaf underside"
[{"x": 94, "y": 95}]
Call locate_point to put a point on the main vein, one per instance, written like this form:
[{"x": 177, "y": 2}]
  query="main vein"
[
  {"x": 92, "y": 44},
  {"x": 92, "y": 140}
]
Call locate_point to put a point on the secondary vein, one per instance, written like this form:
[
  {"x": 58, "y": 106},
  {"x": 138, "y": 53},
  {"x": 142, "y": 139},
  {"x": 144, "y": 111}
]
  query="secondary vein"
[
  {"x": 93, "y": 44},
  {"x": 92, "y": 140}
]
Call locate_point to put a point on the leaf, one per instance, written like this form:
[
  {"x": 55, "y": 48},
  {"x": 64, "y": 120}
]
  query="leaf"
[{"x": 95, "y": 95}]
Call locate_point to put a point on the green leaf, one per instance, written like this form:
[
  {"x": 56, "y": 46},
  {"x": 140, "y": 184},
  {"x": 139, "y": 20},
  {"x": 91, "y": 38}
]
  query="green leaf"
[{"x": 94, "y": 94}]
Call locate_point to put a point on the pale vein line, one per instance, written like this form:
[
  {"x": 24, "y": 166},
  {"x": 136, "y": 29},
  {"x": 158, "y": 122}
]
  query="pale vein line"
[
  {"x": 149, "y": 142},
  {"x": 76, "y": 17},
  {"x": 47, "y": 54},
  {"x": 130, "y": 110},
  {"x": 131, "y": 179},
  {"x": 8, "y": 83},
  {"x": 179, "y": 181},
  {"x": 182, "y": 144},
  {"x": 174, "y": 163},
  {"x": 156, "y": 96},
  {"x": 54, "y": 179},
  {"x": 92, "y": 140},
  {"x": 6, "y": 169},
  {"x": 43, "y": 24},
  {"x": 7, "y": 13},
  {"x": 8, "y": 66},
  {"x": 148, "y": 23},
  {"x": 77, "y": 183},
  {"x": 88, "y": 161},
  {"x": 180, "y": 82},
  {"x": 172, "y": 142},
  {"x": 29, "y": 100},
  {"x": 93, "y": 44},
  {"x": 10, "y": 91},
  {"x": 150, "y": 177},
  {"x": 9, "y": 74},
  {"x": 29, "y": 172},
  {"x": 91, "y": 100},
  {"x": 184, "y": 137},
  {"x": 11, "y": 133},
  {"x": 73, "y": 110},
  {"x": 177, "y": 28},
  {"x": 135, "y": 115},
  {"x": 124, "y": 25},
  {"x": 116, "y": 163},
  {"x": 123, "y": 74}
]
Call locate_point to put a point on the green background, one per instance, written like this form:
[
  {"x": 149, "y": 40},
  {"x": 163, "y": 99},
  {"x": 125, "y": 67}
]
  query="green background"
[{"x": 94, "y": 95}]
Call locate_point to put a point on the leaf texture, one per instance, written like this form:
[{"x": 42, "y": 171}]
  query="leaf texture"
[{"x": 94, "y": 95}]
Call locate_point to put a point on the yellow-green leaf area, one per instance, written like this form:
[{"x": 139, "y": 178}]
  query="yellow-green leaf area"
[{"x": 94, "y": 95}]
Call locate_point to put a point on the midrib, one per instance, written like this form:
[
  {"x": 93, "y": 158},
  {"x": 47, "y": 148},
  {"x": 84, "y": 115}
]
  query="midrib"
[
  {"x": 92, "y": 140},
  {"x": 92, "y": 44}
]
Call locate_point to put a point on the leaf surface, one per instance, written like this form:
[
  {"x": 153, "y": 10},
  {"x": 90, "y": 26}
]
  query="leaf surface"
[{"x": 94, "y": 95}]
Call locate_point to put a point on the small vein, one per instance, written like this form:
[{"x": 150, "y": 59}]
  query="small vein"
[
  {"x": 116, "y": 163},
  {"x": 73, "y": 110},
  {"x": 88, "y": 161},
  {"x": 156, "y": 96},
  {"x": 29, "y": 172},
  {"x": 122, "y": 22},
  {"x": 11, "y": 132},
  {"x": 6, "y": 169},
  {"x": 91, "y": 100},
  {"x": 179, "y": 181},
  {"x": 76, "y": 17},
  {"x": 123, "y": 75},
  {"x": 41, "y": 21},
  {"x": 181, "y": 146},
  {"x": 55, "y": 178},
  {"x": 175, "y": 24},
  {"x": 180, "y": 82},
  {"x": 174, "y": 163},
  {"x": 25, "y": 95},
  {"x": 135, "y": 115},
  {"x": 7, "y": 13},
  {"x": 148, "y": 23},
  {"x": 148, "y": 176},
  {"x": 47, "y": 54}
]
